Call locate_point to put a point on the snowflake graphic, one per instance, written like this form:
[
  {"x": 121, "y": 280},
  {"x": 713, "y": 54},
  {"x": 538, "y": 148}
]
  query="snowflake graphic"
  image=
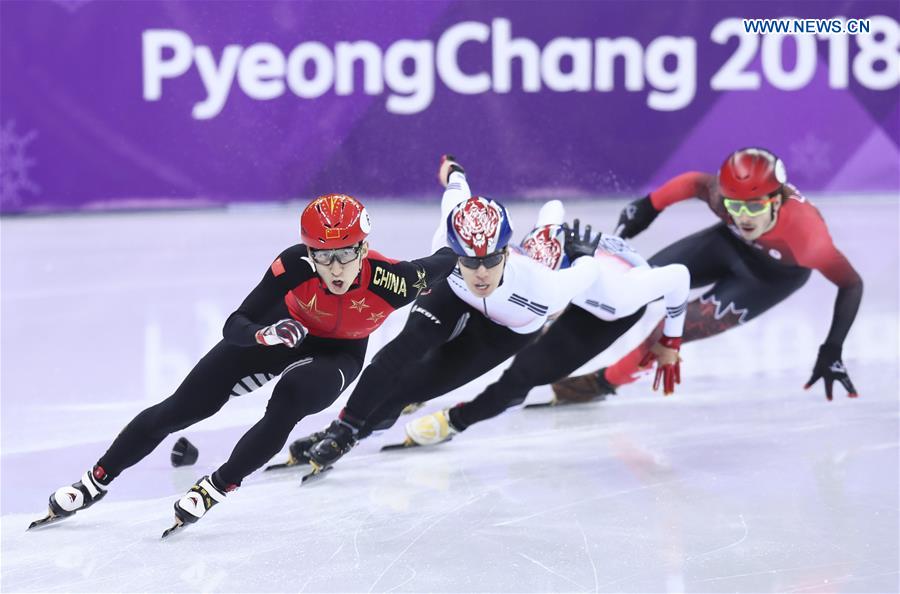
[
  {"x": 14, "y": 165},
  {"x": 809, "y": 157}
]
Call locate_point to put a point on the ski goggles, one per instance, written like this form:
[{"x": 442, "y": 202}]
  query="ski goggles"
[
  {"x": 751, "y": 208},
  {"x": 489, "y": 261},
  {"x": 343, "y": 255}
]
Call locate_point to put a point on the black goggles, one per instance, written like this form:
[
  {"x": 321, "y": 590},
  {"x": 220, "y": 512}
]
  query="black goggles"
[
  {"x": 343, "y": 255},
  {"x": 489, "y": 261}
]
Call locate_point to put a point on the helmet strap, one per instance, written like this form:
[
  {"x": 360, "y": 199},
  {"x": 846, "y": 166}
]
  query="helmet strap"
[
  {"x": 359, "y": 257},
  {"x": 773, "y": 213}
]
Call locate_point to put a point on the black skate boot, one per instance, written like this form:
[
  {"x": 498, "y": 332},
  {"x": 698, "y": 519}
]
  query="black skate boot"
[
  {"x": 579, "y": 389},
  {"x": 196, "y": 502},
  {"x": 65, "y": 501},
  {"x": 340, "y": 437},
  {"x": 298, "y": 451}
]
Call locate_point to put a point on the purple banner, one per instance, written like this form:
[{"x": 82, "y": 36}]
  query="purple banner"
[{"x": 137, "y": 104}]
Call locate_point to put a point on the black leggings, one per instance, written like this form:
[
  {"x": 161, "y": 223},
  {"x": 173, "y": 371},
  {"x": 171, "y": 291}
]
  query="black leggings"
[
  {"x": 444, "y": 345},
  {"x": 312, "y": 377},
  {"x": 745, "y": 284},
  {"x": 575, "y": 338}
]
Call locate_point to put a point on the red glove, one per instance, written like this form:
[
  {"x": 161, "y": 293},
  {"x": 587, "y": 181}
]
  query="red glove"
[{"x": 668, "y": 363}]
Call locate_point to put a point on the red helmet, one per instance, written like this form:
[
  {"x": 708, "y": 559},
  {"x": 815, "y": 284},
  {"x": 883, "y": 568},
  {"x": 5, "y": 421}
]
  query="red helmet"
[
  {"x": 751, "y": 173},
  {"x": 334, "y": 221}
]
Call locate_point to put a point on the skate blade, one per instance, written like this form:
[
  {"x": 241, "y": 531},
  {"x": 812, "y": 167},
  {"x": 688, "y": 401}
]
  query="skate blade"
[
  {"x": 551, "y": 403},
  {"x": 47, "y": 520},
  {"x": 315, "y": 474},
  {"x": 409, "y": 443},
  {"x": 177, "y": 527},
  {"x": 289, "y": 464},
  {"x": 406, "y": 443},
  {"x": 542, "y": 404}
]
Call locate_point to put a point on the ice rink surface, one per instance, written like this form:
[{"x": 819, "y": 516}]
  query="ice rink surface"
[{"x": 741, "y": 482}]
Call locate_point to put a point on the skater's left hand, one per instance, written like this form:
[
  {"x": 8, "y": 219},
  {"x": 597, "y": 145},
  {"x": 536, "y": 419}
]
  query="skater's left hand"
[
  {"x": 829, "y": 367},
  {"x": 668, "y": 363},
  {"x": 577, "y": 246}
]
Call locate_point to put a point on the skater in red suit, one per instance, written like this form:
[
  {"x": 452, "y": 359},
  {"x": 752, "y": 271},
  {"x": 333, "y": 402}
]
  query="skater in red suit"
[
  {"x": 307, "y": 322},
  {"x": 769, "y": 240}
]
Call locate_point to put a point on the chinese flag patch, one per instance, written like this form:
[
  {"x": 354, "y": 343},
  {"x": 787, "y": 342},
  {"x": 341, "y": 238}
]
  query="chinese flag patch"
[{"x": 277, "y": 267}]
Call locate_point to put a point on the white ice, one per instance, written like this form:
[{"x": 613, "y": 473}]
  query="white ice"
[{"x": 741, "y": 482}]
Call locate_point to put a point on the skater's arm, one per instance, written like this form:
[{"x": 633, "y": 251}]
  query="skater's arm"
[
  {"x": 835, "y": 266},
  {"x": 693, "y": 184},
  {"x": 561, "y": 286},
  {"x": 638, "y": 215},
  {"x": 627, "y": 292},
  {"x": 457, "y": 191},
  {"x": 820, "y": 253},
  {"x": 289, "y": 269},
  {"x": 566, "y": 284},
  {"x": 672, "y": 282},
  {"x": 845, "y": 307},
  {"x": 812, "y": 247},
  {"x": 399, "y": 283},
  {"x": 435, "y": 268}
]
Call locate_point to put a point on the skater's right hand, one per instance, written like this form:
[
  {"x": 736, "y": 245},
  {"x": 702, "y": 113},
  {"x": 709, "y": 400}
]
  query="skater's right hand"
[
  {"x": 448, "y": 166},
  {"x": 288, "y": 332},
  {"x": 668, "y": 363},
  {"x": 636, "y": 217}
]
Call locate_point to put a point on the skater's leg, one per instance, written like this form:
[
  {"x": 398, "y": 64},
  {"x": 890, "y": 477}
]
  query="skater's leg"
[
  {"x": 434, "y": 319},
  {"x": 573, "y": 339},
  {"x": 734, "y": 300},
  {"x": 713, "y": 256},
  {"x": 224, "y": 371},
  {"x": 305, "y": 388},
  {"x": 480, "y": 347}
]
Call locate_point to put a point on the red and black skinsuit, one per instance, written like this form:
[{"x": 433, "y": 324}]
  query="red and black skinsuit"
[
  {"x": 313, "y": 374},
  {"x": 747, "y": 277}
]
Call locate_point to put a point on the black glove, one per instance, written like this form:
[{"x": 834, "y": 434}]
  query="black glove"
[
  {"x": 830, "y": 368},
  {"x": 636, "y": 217},
  {"x": 577, "y": 246},
  {"x": 288, "y": 332},
  {"x": 448, "y": 165}
]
